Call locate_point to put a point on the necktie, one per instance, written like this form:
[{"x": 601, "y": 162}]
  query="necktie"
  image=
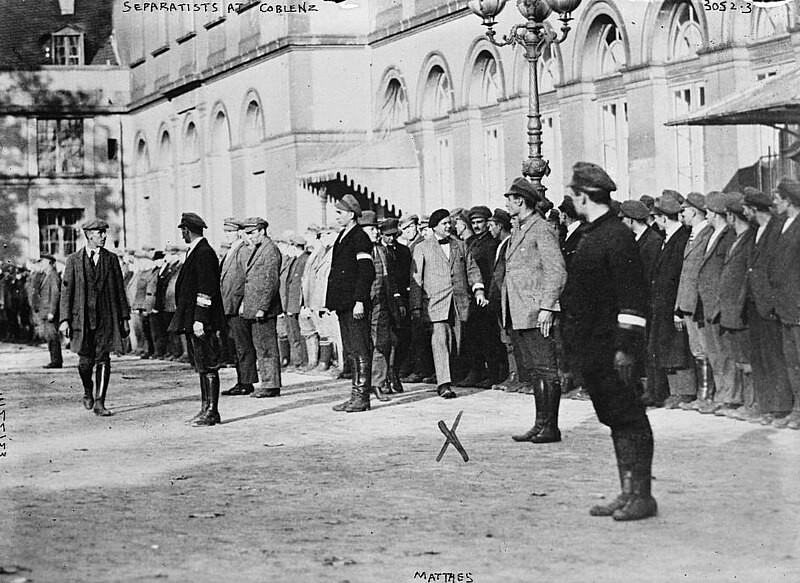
[{"x": 444, "y": 241}]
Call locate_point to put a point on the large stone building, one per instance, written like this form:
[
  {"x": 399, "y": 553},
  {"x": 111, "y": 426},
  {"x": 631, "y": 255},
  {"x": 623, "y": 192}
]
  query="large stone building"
[{"x": 237, "y": 109}]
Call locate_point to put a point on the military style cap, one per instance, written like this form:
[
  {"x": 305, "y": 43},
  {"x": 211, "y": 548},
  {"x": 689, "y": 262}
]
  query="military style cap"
[
  {"x": 368, "y": 219},
  {"x": 232, "y": 224},
  {"x": 673, "y": 194},
  {"x": 523, "y": 187},
  {"x": 716, "y": 202},
  {"x": 437, "y": 217},
  {"x": 95, "y": 225},
  {"x": 479, "y": 212},
  {"x": 634, "y": 209},
  {"x": 349, "y": 203},
  {"x": 407, "y": 220},
  {"x": 502, "y": 218},
  {"x": 192, "y": 222},
  {"x": 255, "y": 222},
  {"x": 756, "y": 199},
  {"x": 789, "y": 189},
  {"x": 666, "y": 205},
  {"x": 590, "y": 177},
  {"x": 389, "y": 226},
  {"x": 47, "y": 256},
  {"x": 696, "y": 200}
]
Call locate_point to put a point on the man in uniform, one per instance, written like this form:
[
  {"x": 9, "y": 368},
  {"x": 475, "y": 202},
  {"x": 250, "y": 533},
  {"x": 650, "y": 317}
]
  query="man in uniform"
[
  {"x": 199, "y": 314},
  {"x": 48, "y": 297},
  {"x": 94, "y": 312},
  {"x": 606, "y": 294},
  {"x": 348, "y": 294},
  {"x": 400, "y": 266}
]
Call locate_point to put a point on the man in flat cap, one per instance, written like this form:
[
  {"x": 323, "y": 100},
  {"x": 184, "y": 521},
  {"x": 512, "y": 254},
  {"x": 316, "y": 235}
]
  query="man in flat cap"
[
  {"x": 443, "y": 274},
  {"x": 784, "y": 274},
  {"x": 261, "y": 304},
  {"x": 399, "y": 257},
  {"x": 349, "y": 284},
  {"x": 500, "y": 228},
  {"x": 199, "y": 314},
  {"x": 94, "y": 312},
  {"x": 605, "y": 291},
  {"x": 773, "y": 394},
  {"x": 534, "y": 279},
  {"x": 48, "y": 298},
  {"x": 231, "y": 283},
  {"x": 723, "y": 368}
]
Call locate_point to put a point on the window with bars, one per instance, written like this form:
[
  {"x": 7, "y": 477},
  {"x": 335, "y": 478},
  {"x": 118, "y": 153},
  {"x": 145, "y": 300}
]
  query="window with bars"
[
  {"x": 60, "y": 146},
  {"x": 58, "y": 231},
  {"x": 614, "y": 134},
  {"x": 67, "y": 49}
]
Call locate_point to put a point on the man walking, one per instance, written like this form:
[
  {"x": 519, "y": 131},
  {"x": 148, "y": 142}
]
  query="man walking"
[
  {"x": 199, "y": 314},
  {"x": 48, "y": 297},
  {"x": 94, "y": 312}
]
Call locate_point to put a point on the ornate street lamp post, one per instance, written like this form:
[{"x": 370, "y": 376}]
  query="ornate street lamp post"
[{"x": 534, "y": 36}]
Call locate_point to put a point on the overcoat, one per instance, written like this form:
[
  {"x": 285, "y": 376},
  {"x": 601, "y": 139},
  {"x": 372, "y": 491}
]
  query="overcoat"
[
  {"x": 693, "y": 254},
  {"x": 759, "y": 290},
  {"x": 294, "y": 283},
  {"x": 262, "y": 282},
  {"x": 709, "y": 274},
  {"x": 49, "y": 295},
  {"x": 315, "y": 277},
  {"x": 732, "y": 283},
  {"x": 437, "y": 283},
  {"x": 351, "y": 272},
  {"x": 231, "y": 283},
  {"x": 649, "y": 247},
  {"x": 498, "y": 276},
  {"x": 535, "y": 273},
  {"x": 170, "y": 303},
  {"x": 483, "y": 249},
  {"x": 197, "y": 294},
  {"x": 111, "y": 301},
  {"x": 784, "y": 275},
  {"x": 570, "y": 244}
]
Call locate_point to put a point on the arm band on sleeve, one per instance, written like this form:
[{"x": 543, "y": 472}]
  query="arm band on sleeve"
[
  {"x": 629, "y": 320},
  {"x": 203, "y": 301}
]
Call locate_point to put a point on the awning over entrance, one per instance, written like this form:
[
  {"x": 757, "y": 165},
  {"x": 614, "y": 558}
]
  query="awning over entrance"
[
  {"x": 773, "y": 101},
  {"x": 382, "y": 174}
]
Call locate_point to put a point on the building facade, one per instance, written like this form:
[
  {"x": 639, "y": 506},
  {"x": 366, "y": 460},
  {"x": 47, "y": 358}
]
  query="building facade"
[{"x": 259, "y": 108}]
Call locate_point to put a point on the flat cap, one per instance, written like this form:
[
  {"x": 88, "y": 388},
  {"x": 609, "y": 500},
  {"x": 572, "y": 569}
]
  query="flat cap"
[
  {"x": 437, "y": 217},
  {"x": 47, "y": 256},
  {"x": 95, "y": 225},
  {"x": 232, "y": 224},
  {"x": 696, "y": 200},
  {"x": 349, "y": 203},
  {"x": 789, "y": 189},
  {"x": 634, "y": 209},
  {"x": 407, "y": 220},
  {"x": 255, "y": 222},
  {"x": 158, "y": 255},
  {"x": 368, "y": 219},
  {"x": 716, "y": 202},
  {"x": 648, "y": 201},
  {"x": 666, "y": 205},
  {"x": 297, "y": 240},
  {"x": 673, "y": 194},
  {"x": 735, "y": 204},
  {"x": 756, "y": 199},
  {"x": 615, "y": 206},
  {"x": 389, "y": 226},
  {"x": 192, "y": 221},
  {"x": 567, "y": 207},
  {"x": 502, "y": 218},
  {"x": 590, "y": 177},
  {"x": 456, "y": 211},
  {"x": 479, "y": 212},
  {"x": 523, "y": 187}
]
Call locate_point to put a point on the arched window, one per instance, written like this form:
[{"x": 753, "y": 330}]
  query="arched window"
[
  {"x": 437, "y": 94},
  {"x": 611, "y": 50},
  {"x": 253, "y": 124},
  {"x": 192, "y": 146},
  {"x": 772, "y": 21},
  {"x": 142, "y": 165},
  {"x": 220, "y": 136},
  {"x": 490, "y": 87},
  {"x": 686, "y": 35},
  {"x": 548, "y": 71},
  {"x": 394, "y": 107},
  {"x": 165, "y": 151}
]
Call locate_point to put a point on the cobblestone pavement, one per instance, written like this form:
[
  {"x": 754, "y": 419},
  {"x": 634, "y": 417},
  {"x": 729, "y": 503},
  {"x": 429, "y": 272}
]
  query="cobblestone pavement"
[{"x": 288, "y": 490}]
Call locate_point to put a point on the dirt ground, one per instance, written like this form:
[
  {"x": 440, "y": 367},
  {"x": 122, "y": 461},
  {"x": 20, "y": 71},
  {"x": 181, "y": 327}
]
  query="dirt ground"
[{"x": 286, "y": 490}]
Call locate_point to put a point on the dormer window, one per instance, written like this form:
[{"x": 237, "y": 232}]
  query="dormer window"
[{"x": 67, "y": 47}]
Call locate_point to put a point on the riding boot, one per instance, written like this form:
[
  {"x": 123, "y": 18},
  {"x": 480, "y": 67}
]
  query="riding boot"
[
  {"x": 325, "y": 354},
  {"x": 620, "y": 501},
  {"x": 211, "y": 415},
  {"x": 381, "y": 390},
  {"x": 284, "y": 349},
  {"x": 538, "y": 396},
  {"x": 203, "y": 399},
  {"x": 102, "y": 374},
  {"x": 88, "y": 387},
  {"x": 343, "y": 406},
  {"x": 637, "y": 450},
  {"x": 313, "y": 350},
  {"x": 394, "y": 380},
  {"x": 362, "y": 375},
  {"x": 551, "y": 400}
]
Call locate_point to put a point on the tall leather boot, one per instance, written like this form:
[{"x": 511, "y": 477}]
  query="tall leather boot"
[
  {"x": 312, "y": 348},
  {"x": 637, "y": 450},
  {"x": 102, "y": 375},
  {"x": 394, "y": 379},
  {"x": 538, "y": 396},
  {"x": 211, "y": 415},
  {"x": 620, "y": 501},
  {"x": 325, "y": 355},
  {"x": 551, "y": 401},
  {"x": 284, "y": 349},
  {"x": 203, "y": 399},
  {"x": 88, "y": 387},
  {"x": 362, "y": 374},
  {"x": 343, "y": 406}
]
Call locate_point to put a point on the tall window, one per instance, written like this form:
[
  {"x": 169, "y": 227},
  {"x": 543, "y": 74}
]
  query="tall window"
[
  {"x": 689, "y": 139},
  {"x": 493, "y": 163},
  {"x": 58, "y": 230},
  {"x": 60, "y": 146},
  {"x": 437, "y": 94},
  {"x": 772, "y": 21},
  {"x": 444, "y": 186},
  {"x": 490, "y": 86},
  {"x": 394, "y": 107},
  {"x": 686, "y": 36},
  {"x": 67, "y": 47},
  {"x": 192, "y": 144},
  {"x": 612, "y": 50},
  {"x": 548, "y": 71},
  {"x": 614, "y": 127},
  {"x": 551, "y": 150},
  {"x": 253, "y": 124}
]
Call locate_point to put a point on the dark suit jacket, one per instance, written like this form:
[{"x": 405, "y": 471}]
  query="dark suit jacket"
[
  {"x": 570, "y": 244},
  {"x": 231, "y": 279},
  {"x": 400, "y": 261},
  {"x": 48, "y": 295},
  {"x": 495, "y": 292},
  {"x": 732, "y": 284},
  {"x": 649, "y": 247},
  {"x": 352, "y": 271},
  {"x": 262, "y": 282},
  {"x": 759, "y": 289},
  {"x": 294, "y": 284},
  {"x": 197, "y": 294},
  {"x": 784, "y": 275},
  {"x": 693, "y": 255},
  {"x": 709, "y": 274},
  {"x": 483, "y": 249}
]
